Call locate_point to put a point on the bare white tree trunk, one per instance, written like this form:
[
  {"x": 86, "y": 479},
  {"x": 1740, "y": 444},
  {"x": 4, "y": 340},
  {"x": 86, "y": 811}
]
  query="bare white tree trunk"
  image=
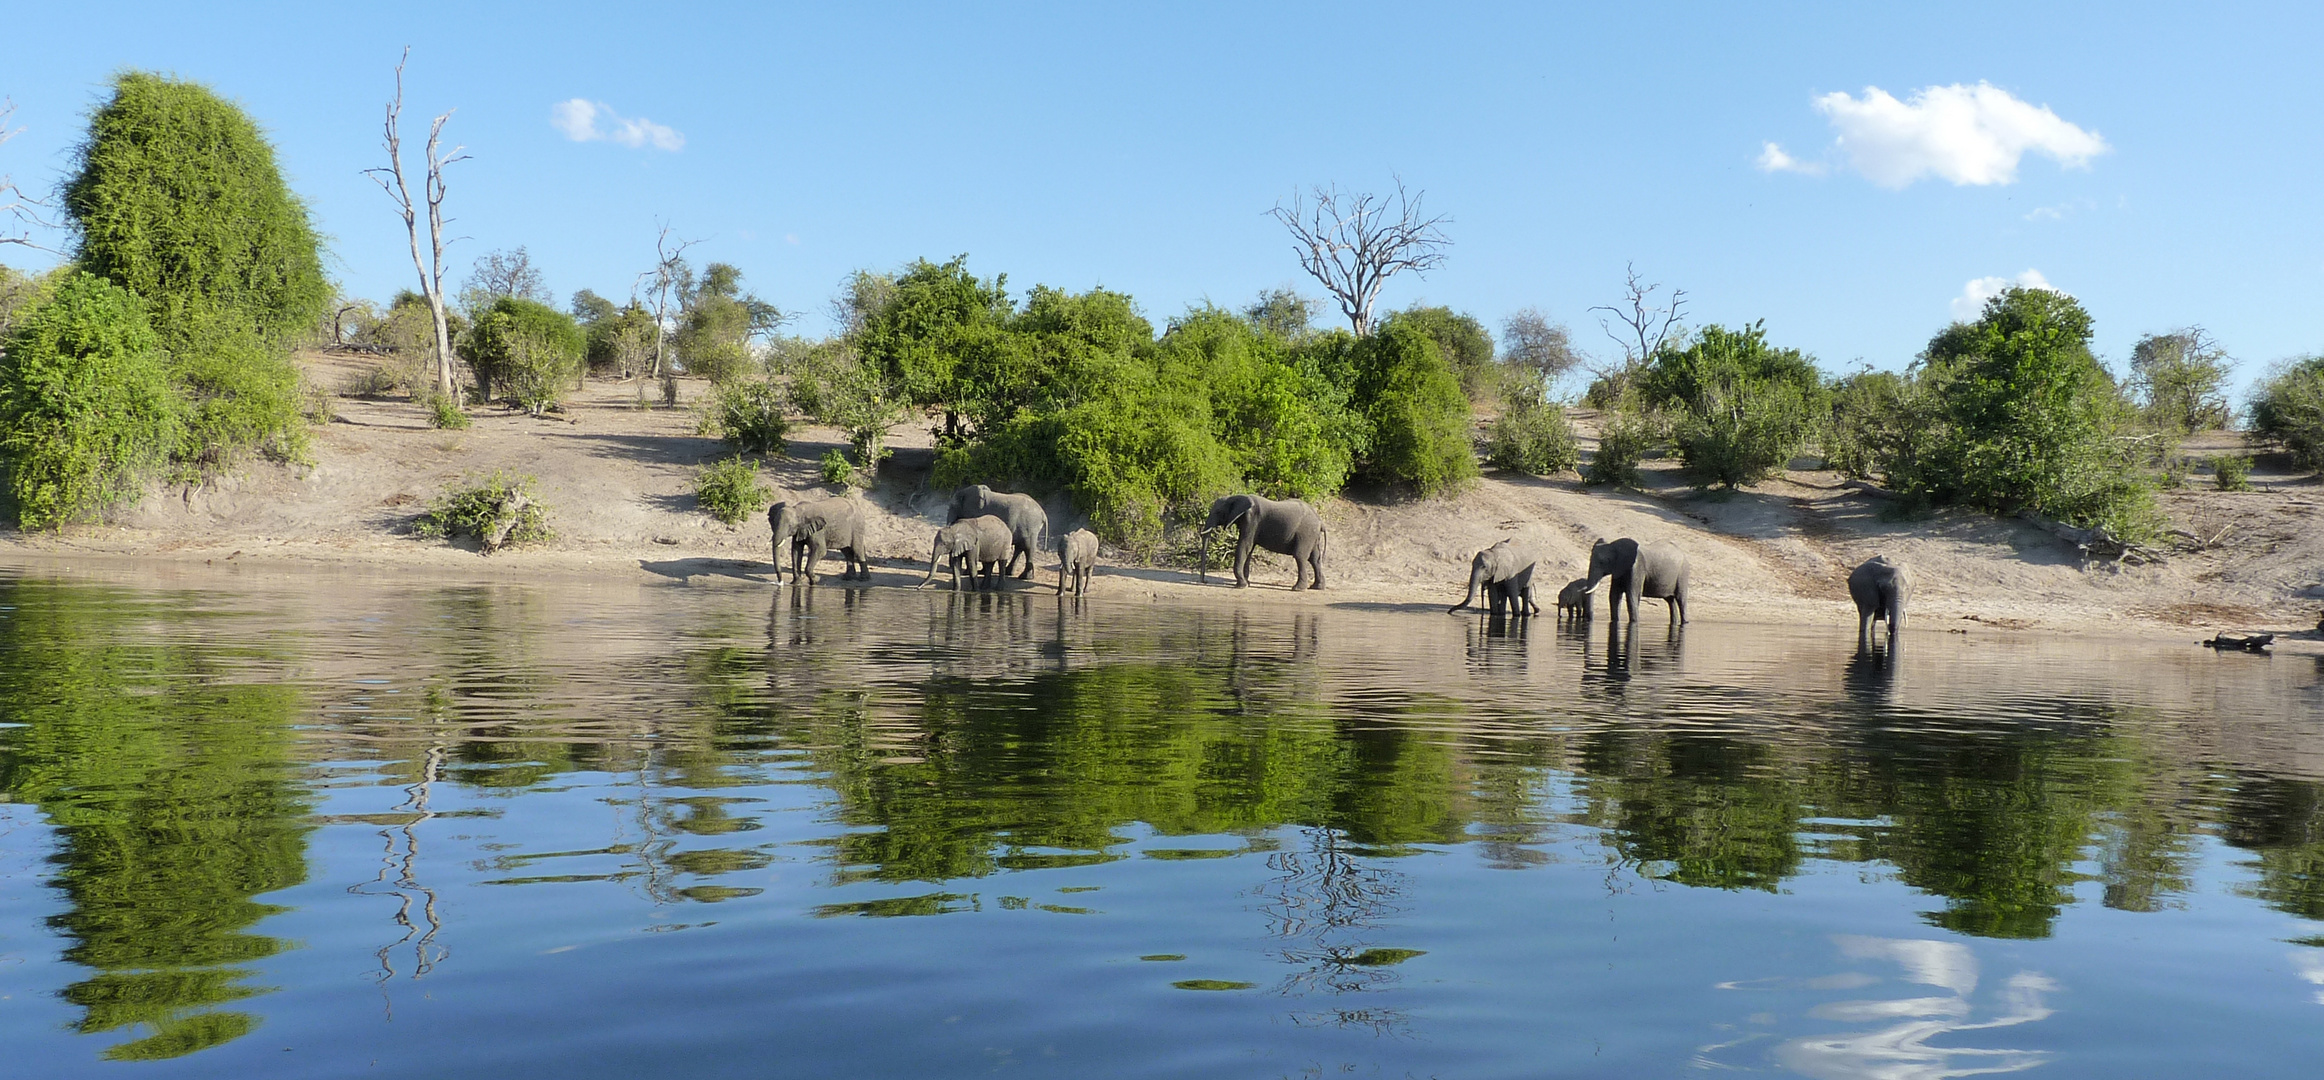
[
  {"x": 431, "y": 269},
  {"x": 669, "y": 260},
  {"x": 1350, "y": 243}
]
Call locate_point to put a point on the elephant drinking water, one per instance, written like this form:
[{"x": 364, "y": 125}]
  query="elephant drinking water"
[
  {"x": 805, "y": 530},
  {"x": 980, "y": 546},
  {"x": 1505, "y": 570},
  {"x": 1651, "y": 570},
  {"x": 1289, "y": 527},
  {"x": 1880, "y": 589}
]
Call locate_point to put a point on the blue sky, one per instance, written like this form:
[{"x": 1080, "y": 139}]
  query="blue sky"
[{"x": 2172, "y": 179}]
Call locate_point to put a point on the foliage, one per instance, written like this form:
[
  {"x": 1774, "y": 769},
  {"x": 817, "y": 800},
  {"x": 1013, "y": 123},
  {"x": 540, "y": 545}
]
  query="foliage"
[
  {"x": 1464, "y": 344},
  {"x": 836, "y": 470},
  {"x": 1286, "y": 426},
  {"x": 2178, "y": 378},
  {"x": 717, "y": 322},
  {"x": 525, "y": 350},
  {"x": 1283, "y": 313},
  {"x": 499, "y": 274},
  {"x": 730, "y": 489},
  {"x": 749, "y": 415},
  {"x": 2232, "y": 472},
  {"x": 1623, "y": 440},
  {"x": 622, "y": 342},
  {"x": 832, "y": 384},
  {"x": 1739, "y": 408},
  {"x": 1531, "y": 435},
  {"x": 86, "y": 408},
  {"x": 929, "y": 321},
  {"x": 2021, "y": 417},
  {"x": 444, "y": 412},
  {"x": 589, "y": 309},
  {"x": 1532, "y": 343},
  {"x": 474, "y": 510},
  {"x": 1420, "y": 420},
  {"x": 2287, "y": 408},
  {"x": 1868, "y": 423},
  {"x": 176, "y": 197}
]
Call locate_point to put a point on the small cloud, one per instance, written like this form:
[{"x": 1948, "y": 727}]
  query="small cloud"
[
  {"x": 1772, "y": 159},
  {"x": 582, "y": 120},
  {"x": 791, "y": 238},
  {"x": 1963, "y": 134},
  {"x": 2061, "y": 211},
  {"x": 1971, "y": 303}
]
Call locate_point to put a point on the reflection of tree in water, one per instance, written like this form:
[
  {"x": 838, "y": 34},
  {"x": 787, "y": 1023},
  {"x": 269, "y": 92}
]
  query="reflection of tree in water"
[
  {"x": 172, "y": 788},
  {"x": 401, "y": 860},
  {"x": 1327, "y": 905}
]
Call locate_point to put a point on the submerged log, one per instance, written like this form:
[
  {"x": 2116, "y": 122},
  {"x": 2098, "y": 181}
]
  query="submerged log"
[
  {"x": 2257, "y": 643},
  {"x": 2096, "y": 543}
]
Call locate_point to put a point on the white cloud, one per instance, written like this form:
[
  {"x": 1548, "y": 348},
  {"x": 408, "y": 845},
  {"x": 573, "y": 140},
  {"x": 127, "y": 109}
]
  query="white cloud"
[
  {"x": 1971, "y": 303},
  {"x": 1773, "y": 159},
  {"x": 1964, "y": 134},
  {"x": 582, "y": 120}
]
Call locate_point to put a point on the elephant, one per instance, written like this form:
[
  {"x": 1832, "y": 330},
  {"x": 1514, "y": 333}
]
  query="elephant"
[
  {"x": 1578, "y": 600},
  {"x": 1656, "y": 570},
  {"x": 1506, "y": 572},
  {"x": 1289, "y": 527},
  {"x": 805, "y": 530},
  {"x": 981, "y": 545},
  {"x": 1880, "y": 589},
  {"x": 1028, "y": 523},
  {"x": 1076, "y": 559}
]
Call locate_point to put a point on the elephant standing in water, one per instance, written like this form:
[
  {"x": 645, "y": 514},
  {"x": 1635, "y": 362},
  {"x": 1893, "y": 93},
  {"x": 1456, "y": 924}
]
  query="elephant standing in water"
[
  {"x": 1578, "y": 600},
  {"x": 1289, "y": 528},
  {"x": 806, "y": 530},
  {"x": 1880, "y": 589},
  {"x": 981, "y": 545},
  {"x": 1652, "y": 570},
  {"x": 1506, "y": 572},
  {"x": 1076, "y": 559},
  {"x": 1028, "y": 523}
]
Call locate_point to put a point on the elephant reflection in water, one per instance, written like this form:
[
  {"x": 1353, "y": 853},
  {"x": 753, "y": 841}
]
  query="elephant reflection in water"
[
  {"x": 1497, "y": 647},
  {"x": 1900, "y": 1048}
]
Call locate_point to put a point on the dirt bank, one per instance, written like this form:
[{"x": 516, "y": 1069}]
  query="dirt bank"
[{"x": 619, "y": 480}]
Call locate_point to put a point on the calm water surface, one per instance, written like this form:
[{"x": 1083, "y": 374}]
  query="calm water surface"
[{"x": 343, "y": 827}]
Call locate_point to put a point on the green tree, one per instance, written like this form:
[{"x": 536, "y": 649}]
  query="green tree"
[
  {"x": 1419, "y": 419},
  {"x": 2178, "y": 377},
  {"x": 86, "y": 408},
  {"x": 176, "y": 197},
  {"x": 717, "y": 322},
  {"x": 1283, "y": 313},
  {"x": 1463, "y": 342},
  {"x": 931, "y": 320},
  {"x": 525, "y": 350},
  {"x": 837, "y": 387},
  {"x": 2287, "y": 408},
  {"x": 1739, "y": 407}
]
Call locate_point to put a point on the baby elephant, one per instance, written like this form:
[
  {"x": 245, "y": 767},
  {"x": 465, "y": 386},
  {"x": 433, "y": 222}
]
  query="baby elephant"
[
  {"x": 1577, "y": 601},
  {"x": 1880, "y": 589},
  {"x": 1076, "y": 558}
]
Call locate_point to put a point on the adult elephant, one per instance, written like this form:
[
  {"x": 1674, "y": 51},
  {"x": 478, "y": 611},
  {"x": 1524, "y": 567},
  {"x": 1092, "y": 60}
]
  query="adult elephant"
[
  {"x": 1658, "y": 571},
  {"x": 1028, "y": 523},
  {"x": 980, "y": 545},
  {"x": 1505, "y": 571},
  {"x": 1880, "y": 589},
  {"x": 806, "y": 530},
  {"x": 1289, "y": 527},
  {"x": 1076, "y": 560}
]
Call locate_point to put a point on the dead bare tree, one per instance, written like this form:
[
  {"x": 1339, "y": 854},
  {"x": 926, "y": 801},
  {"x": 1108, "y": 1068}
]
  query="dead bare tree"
[
  {"x": 14, "y": 203},
  {"x": 1647, "y": 323},
  {"x": 431, "y": 269},
  {"x": 667, "y": 277},
  {"x": 1353, "y": 242}
]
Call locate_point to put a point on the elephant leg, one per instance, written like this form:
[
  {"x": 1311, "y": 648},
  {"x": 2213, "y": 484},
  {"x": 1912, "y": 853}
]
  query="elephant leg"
[
  {"x": 1497, "y": 601},
  {"x": 1243, "y": 545},
  {"x": 1027, "y": 550},
  {"x": 814, "y": 558},
  {"x": 1678, "y": 606}
]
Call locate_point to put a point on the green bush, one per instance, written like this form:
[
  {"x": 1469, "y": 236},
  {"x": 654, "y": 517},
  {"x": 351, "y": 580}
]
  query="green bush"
[
  {"x": 1532, "y": 436},
  {"x": 1869, "y": 416},
  {"x": 837, "y": 470},
  {"x": 1739, "y": 407},
  {"x": 444, "y": 412},
  {"x": 524, "y": 350},
  {"x": 2232, "y": 472},
  {"x": 1623, "y": 441},
  {"x": 730, "y": 489},
  {"x": 1463, "y": 342},
  {"x": 749, "y": 415},
  {"x": 476, "y": 509},
  {"x": 2287, "y": 409},
  {"x": 1419, "y": 419},
  {"x": 86, "y": 408}
]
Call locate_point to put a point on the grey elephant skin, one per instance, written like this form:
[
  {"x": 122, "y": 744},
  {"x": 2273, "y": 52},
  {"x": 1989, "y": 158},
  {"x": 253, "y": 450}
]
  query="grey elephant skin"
[
  {"x": 981, "y": 545},
  {"x": 1880, "y": 589},
  {"x": 1657, "y": 571},
  {"x": 1505, "y": 572},
  {"x": 1076, "y": 559},
  {"x": 806, "y": 530},
  {"x": 1289, "y": 527},
  {"x": 1028, "y": 523},
  {"x": 1578, "y": 600}
]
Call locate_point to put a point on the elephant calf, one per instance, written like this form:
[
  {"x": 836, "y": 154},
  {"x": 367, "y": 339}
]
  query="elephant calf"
[
  {"x": 982, "y": 546},
  {"x": 1505, "y": 570},
  {"x": 1578, "y": 600},
  {"x": 1880, "y": 589},
  {"x": 1076, "y": 559},
  {"x": 1658, "y": 571}
]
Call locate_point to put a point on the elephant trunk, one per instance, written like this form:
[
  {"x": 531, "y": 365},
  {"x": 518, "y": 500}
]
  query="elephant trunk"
[
  {"x": 935, "y": 551},
  {"x": 1476, "y": 577},
  {"x": 1202, "y": 554}
]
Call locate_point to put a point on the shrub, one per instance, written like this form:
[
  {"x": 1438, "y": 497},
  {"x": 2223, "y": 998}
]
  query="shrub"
[
  {"x": 86, "y": 409},
  {"x": 832, "y": 384},
  {"x": 749, "y": 415},
  {"x": 1739, "y": 407},
  {"x": 1623, "y": 440},
  {"x": 1419, "y": 419},
  {"x": 1463, "y": 342},
  {"x": 2287, "y": 408},
  {"x": 444, "y": 412},
  {"x": 524, "y": 350},
  {"x": 730, "y": 489},
  {"x": 2232, "y": 471},
  {"x": 836, "y": 470},
  {"x": 1868, "y": 418},
  {"x": 478, "y": 510},
  {"x": 1532, "y": 436}
]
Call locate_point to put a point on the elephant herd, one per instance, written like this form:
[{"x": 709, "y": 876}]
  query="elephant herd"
[
  {"x": 987, "y": 531},
  {"x": 1657, "y": 571}
]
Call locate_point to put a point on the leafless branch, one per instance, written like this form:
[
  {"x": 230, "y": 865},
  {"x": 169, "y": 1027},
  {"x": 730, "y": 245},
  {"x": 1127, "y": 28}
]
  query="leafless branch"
[
  {"x": 660, "y": 282},
  {"x": 14, "y": 203},
  {"x": 391, "y": 180},
  {"x": 1352, "y": 244},
  {"x": 1648, "y": 324}
]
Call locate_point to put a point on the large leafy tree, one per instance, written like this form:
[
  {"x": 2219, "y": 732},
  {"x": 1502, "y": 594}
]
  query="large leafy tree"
[
  {"x": 177, "y": 198},
  {"x": 928, "y": 323},
  {"x": 718, "y": 320},
  {"x": 1739, "y": 407}
]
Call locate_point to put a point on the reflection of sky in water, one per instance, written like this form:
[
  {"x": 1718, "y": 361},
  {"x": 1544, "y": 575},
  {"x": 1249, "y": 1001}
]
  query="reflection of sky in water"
[
  {"x": 1899, "y": 1048},
  {"x": 2311, "y": 965}
]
